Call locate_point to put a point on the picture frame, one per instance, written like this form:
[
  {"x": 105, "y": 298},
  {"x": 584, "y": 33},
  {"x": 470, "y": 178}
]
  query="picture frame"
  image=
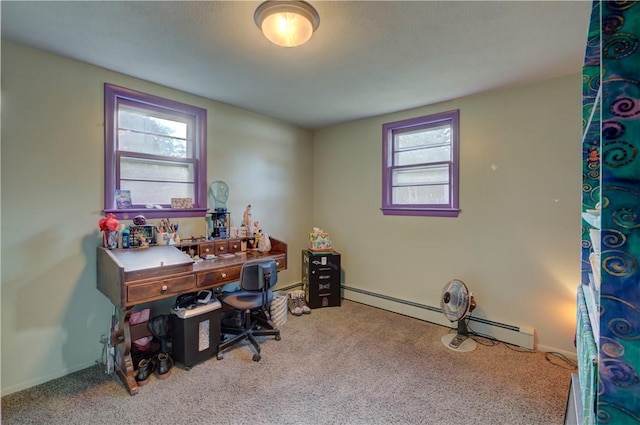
[{"x": 123, "y": 199}]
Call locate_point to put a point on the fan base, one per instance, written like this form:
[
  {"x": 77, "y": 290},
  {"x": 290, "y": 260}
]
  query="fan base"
[{"x": 465, "y": 346}]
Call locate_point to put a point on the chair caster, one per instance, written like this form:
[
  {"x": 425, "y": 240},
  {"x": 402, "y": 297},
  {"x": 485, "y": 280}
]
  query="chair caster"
[
  {"x": 256, "y": 357},
  {"x": 278, "y": 338},
  {"x": 220, "y": 356}
]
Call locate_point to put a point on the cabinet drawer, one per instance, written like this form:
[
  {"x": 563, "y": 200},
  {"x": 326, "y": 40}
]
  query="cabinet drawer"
[
  {"x": 234, "y": 245},
  {"x": 205, "y": 249},
  {"x": 220, "y": 247},
  {"x": 159, "y": 289},
  {"x": 324, "y": 277},
  {"x": 325, "y": 268},
  {"x": 323, "y": 273},
  {"x": 228, "y": 274}
]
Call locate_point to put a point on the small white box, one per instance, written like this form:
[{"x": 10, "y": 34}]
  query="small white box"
[{"x": 200, "y": 309}]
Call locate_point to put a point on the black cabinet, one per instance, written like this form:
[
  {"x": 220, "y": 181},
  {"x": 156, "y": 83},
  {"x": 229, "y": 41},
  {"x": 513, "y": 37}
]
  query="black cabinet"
[{"x": 321, "y": 278}]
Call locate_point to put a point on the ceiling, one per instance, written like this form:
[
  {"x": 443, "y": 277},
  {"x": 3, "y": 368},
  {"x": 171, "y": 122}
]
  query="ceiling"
[{"x": 367, "y": 57}]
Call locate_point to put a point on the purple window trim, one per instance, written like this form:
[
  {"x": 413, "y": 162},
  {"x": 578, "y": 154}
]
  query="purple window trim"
[
  {"x": 128, "y": 214},
  {"x": 113, "y": 94},
  {"x": 424, "y": 212},
  {"x": 450, "y": 210}
]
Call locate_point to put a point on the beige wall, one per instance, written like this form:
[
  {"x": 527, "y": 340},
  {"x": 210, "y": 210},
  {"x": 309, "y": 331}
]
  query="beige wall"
[
  {"x": 516, "y": 243},
  {"x": 52, "y": 192}
]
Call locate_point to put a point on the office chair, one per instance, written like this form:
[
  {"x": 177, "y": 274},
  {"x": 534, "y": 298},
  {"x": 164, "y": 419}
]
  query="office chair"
[{"x": 257, "y": 277}]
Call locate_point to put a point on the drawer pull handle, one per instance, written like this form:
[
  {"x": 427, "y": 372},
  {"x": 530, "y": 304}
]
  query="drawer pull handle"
[
  {"x": 223, "y": 275},
  {"x": 221, "y": 248},
  {"x": 235, "y": 247},
  {"x": 164, "y": 289},
  {"x": 277, "y": 263},
  {"x": 206, "y": 250}
]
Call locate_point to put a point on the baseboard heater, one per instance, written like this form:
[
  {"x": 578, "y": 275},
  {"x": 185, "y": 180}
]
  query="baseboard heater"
[
  {"x": 430, "y": 308},
  {"x": 522, "y": 336}
]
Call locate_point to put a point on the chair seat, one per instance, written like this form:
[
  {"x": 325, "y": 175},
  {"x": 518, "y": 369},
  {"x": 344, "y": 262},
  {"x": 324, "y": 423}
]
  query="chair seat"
[{"x": 244, "y": 300}]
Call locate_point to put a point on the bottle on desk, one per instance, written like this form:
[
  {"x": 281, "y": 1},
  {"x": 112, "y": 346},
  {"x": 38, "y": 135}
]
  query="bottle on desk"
[{"x": 125, "y": 238}]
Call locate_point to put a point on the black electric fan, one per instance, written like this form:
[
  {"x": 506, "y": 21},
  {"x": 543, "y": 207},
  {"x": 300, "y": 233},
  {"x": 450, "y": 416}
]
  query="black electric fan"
[{"x": 456, "y": 303}]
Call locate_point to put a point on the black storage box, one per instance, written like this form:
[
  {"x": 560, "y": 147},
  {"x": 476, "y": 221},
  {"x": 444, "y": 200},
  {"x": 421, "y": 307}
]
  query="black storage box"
[{"x": 195, "y": 333}]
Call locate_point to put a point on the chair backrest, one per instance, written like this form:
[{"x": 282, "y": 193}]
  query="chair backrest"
[{"x": 254, "y": 272}]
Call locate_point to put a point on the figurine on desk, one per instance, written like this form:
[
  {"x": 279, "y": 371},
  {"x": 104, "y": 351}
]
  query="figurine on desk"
[
  {"x": 246, "y": 220},
  {"x": 144, "y": 243}
]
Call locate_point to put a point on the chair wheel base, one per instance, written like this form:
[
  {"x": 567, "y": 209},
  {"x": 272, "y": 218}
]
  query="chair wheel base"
[
  {"x": 278, "y": 338},
  {"x": 256, "y": 357},
  {"x": 220, "y": 356}
]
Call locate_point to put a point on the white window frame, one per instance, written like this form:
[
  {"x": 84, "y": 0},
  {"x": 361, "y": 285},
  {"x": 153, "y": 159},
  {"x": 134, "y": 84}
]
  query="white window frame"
[
  {"x": 196, "y": 119},
  {"x": 389, "y": 167}
]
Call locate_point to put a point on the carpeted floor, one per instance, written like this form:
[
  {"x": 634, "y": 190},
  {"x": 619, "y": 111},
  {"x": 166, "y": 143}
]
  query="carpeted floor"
[{"x": 352, "y": 364}]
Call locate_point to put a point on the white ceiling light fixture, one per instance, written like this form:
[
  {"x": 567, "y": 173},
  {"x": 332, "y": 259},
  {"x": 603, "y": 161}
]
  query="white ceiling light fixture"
[{"x": 287, "y": 23}]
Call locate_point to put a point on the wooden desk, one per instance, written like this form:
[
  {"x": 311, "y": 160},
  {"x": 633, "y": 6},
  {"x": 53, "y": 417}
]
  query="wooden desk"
[{"x": 136, "y": 276}]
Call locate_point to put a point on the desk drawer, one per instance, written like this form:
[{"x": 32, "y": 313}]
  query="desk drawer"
[
  {"x": 228, "y": 274},
  {"x": 281, "y": 261},
  {"x": 159, "y": 289}
]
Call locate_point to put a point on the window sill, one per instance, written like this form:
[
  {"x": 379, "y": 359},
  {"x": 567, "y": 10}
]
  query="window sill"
[
  {"x": 128, "y": 214},
  {"x": 425, "y": 212}
]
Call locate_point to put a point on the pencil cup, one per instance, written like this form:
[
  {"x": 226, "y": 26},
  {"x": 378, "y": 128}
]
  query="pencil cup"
[{"x": 162, "y": 238}]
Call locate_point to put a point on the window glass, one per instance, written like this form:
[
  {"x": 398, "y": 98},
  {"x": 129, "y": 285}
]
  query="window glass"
[
  {"x": 421, "y": 176},
  {"x": 423, "y": 156},
  {"x": 146, "y": 169},
  {"x": 420, "y": 166},
  {"x": 415, "y": 195}
]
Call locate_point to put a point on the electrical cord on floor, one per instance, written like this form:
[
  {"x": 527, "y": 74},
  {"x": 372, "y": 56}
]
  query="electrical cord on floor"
[
  {"x": 519, "y": 349},
  {"x": 571, "y": 365},
  {"x": 560, "y": 359},
  {"x": 484, "y": 340},
  {"x": 477, "y": 336},
  {"x": 481, "y": 339}
]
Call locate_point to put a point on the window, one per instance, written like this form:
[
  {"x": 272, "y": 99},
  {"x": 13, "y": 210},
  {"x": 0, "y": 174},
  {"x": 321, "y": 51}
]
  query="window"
[
  {"x": 156, "y": 149},
  {"x": 420, "y": 166}
]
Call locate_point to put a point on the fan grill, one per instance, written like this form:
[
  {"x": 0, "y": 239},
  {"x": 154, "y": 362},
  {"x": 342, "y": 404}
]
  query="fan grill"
[{"x": 456, "y": 300}]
